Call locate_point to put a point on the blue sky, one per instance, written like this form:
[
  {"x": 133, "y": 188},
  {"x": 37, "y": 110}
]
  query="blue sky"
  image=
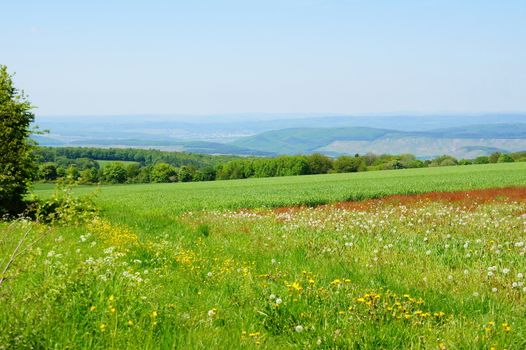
[{"x": 287, "y": 56}]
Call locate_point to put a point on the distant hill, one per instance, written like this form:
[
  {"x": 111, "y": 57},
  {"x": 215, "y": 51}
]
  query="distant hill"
[
  {"x": 268, "y": 135},
  {"x": 202, "y": 147},
  {"x": 466, "y": 141},
  {"x": 307, "y": 140}
]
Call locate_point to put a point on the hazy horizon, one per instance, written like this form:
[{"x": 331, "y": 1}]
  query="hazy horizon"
[{"x": 293, "y": 115}]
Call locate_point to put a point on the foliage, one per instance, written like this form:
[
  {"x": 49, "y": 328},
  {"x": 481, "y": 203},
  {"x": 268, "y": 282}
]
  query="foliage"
[
  {"x": 114, "y": 173},
  {"x": 85, "y": 170},
  {"x": 347, "y": 164},
  {"x": 48, "y": 171},
  {"x": 64, "y": 208},
  {"x": 505, "y": 158},
  {"x": 145, "y": 157},
  {"x": 16, "y": 163},
  {"x": 162, "y": 172}
]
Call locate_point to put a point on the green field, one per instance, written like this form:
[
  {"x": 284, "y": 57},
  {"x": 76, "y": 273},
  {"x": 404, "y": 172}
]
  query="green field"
[
  {"x": 172, "y": 199},
  {"x": 103, "y": 163},
  {"x": 185, "y": 266}
]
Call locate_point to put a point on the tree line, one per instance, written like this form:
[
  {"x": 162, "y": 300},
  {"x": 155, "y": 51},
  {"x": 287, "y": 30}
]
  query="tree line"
[{"x": 100, "y": 165}]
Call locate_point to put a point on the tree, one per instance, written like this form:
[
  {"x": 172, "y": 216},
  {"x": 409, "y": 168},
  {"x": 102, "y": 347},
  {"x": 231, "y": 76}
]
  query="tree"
[
  {"x": 319, "y": 163},
  {"x": 72, "y": 173},
  {"x": 185, "y": 173},
  {"x": 16, "y": 162},
  {"x": 48, "y": 171},
  {"x": 347, "y": 164},
  {"x": 162, "y": 172},
  {"x": 115, "y": 173},
  {"x": 481, "y": 160},
  {"x": 505, "y": 158},
  {"x": 132, "y": 171},
  {"x": 494, "y": 157}
]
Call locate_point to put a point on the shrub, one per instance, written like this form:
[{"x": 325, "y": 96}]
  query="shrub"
[
  {"x": 63, "y": 208},
  {"x": 505, "y": 158}
]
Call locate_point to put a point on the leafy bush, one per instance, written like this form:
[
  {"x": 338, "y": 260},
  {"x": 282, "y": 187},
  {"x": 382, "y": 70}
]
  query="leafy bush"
[
  {"x": 505, "y": 158},
  {"x": 64, "y": 208},
  {"x": 162, "y": 172}
]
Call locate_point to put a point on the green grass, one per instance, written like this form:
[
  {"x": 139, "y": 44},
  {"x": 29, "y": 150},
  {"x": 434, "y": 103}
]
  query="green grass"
[
  {"x": 163, "y": 202},
  {"x": 103, "y": 163},
  {"x": 180, "y": 266}
]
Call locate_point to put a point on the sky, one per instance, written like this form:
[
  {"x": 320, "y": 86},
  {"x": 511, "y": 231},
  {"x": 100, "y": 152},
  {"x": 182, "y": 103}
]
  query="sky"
[{"x": 269, "y": 56}]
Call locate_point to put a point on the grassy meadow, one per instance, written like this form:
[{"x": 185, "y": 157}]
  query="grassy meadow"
[
  {"x": 262, "y": 263},
  {"x": 103, "y": 163}
]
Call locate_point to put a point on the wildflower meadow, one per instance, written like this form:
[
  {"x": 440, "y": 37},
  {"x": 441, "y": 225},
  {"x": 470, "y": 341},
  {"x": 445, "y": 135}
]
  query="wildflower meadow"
[{"x": 423, "y": 259}]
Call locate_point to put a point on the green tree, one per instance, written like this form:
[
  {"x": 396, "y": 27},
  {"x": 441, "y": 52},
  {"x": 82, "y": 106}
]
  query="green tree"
[
  {"x": 505, "y": 158},
  {"x": 348, "y": 164},
  {"x": 132, "y": 171},
  {"x": 185, "y": 173},
  {"x": 494, "y": 157},
  {"x": 48, "y": 171},
  {"x": 72, "y": 173},
  {"x": 88, "y": 176},
  {"x": 481, "y": 160},
  {"x": 162, "y": 172},
  {"x": 319, "y": 163},
  {"x": 115, "y": 173},
  {"x": 16, "y": 162},
  {"x": 393, "y": 165}
]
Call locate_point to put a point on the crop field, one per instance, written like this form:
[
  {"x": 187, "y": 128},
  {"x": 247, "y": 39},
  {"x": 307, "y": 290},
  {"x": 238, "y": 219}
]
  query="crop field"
[
  {"x": 424, "y": 258},
  {"x": 166, "y": 201},
  {"x": 103, "y": 163}
]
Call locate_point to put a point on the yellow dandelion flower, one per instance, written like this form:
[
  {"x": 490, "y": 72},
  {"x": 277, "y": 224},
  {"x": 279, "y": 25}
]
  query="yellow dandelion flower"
[{"x": 295, "y": 287}]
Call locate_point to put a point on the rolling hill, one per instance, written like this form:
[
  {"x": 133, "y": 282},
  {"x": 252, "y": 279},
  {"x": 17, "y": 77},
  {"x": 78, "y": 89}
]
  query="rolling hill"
[{"x": 463, "y": 142}]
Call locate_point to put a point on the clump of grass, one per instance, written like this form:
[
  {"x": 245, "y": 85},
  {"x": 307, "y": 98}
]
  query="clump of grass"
[{"x": 203, "y": 230}]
